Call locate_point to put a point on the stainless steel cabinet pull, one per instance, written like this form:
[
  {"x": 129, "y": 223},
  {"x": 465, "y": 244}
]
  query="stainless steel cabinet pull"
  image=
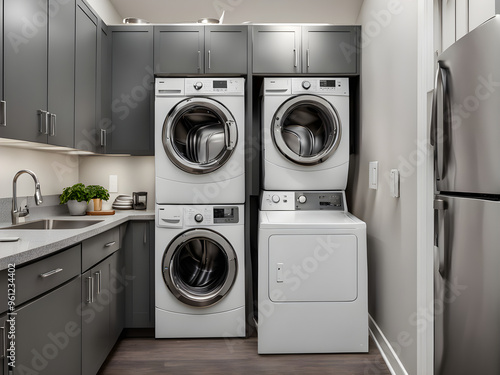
[
  {"x": 3, "y": 107},
  {"x": 50, "y": 273},
  {"x": 199, "y": 60},
  {"x": 3, "y": 352},
  {"x": 308, "y": 57},
  {"x": 145, "y": 238},
  {"x": 98, "y": 274},
  {"x": 110, "y": 244},
  {"x": 209, "y": 60},
  {"x": 103, "y": 137},
  {"x": 295, "y": 62},
  {"x": 52, "y": 124},
  {"x": 440, "y": 206},
  {"x": 43, "y": 124},
  {"x": 90, "y": 290}
]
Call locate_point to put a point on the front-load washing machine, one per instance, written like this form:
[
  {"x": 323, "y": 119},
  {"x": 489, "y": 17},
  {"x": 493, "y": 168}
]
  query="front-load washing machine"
[
  {"x": 199, "y": 140},
  {"x": 312, "y": 275},
  {"x": 305, "y": 133},
  {"x": 199, "y": 271}
]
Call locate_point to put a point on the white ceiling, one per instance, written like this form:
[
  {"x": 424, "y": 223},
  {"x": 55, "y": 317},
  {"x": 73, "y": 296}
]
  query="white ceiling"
[{"x": 239, "y": 11}]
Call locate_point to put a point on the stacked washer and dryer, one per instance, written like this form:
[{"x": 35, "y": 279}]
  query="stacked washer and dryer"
[
  {"x": 200, "y": 179},
  {"x": 312, "y": 265}
]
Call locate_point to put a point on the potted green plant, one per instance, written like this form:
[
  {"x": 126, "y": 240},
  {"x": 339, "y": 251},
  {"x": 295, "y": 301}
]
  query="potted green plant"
[
  {"x": 97, "y": 193},
  {"x": 76, "y": 197}
]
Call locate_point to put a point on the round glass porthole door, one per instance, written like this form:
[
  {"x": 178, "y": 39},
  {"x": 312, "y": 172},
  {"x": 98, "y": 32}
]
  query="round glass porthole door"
[
  {"x": 199, "y": 135},
  {"x": 306, "y": 129},
  {"x": 199, "y": 267}
]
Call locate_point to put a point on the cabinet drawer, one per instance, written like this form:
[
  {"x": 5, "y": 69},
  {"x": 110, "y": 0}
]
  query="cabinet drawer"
[
  {"x": 43, "y": 275},
  {"x": 99, "y": 247}
]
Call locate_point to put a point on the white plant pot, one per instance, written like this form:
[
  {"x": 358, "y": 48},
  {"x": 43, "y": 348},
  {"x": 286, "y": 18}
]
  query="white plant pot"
[{"x": 77, "y": 208}]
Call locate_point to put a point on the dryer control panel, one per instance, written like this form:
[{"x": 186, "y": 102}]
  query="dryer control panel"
[{"x": 303, "y": 200}]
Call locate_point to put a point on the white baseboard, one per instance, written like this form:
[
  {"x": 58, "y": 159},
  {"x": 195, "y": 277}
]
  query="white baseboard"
[{"x": 390, "y": 357}]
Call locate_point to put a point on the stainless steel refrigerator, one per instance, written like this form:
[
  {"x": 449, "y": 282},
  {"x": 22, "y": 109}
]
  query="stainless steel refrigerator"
[{"x": 465, "y": 133}]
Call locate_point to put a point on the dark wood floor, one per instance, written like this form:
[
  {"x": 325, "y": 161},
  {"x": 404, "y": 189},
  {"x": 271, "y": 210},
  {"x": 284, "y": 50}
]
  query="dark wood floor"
[{"x": 147, "y": 356}]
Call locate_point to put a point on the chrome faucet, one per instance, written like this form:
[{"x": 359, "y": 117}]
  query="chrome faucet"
[{"x": 16, "y": 213}]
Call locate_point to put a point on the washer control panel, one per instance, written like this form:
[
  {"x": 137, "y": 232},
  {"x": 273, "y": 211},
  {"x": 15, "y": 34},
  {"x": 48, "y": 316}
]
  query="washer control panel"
[
  {"x": 215, "y": 86},
  {"x": 303, "y": 200},
  {"x": 313, "y": 85},
  {"x": 199, "y": 215}
]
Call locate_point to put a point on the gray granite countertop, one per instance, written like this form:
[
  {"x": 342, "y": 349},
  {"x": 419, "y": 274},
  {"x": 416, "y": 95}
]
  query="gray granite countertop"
[{"x": 33, "y": 244}]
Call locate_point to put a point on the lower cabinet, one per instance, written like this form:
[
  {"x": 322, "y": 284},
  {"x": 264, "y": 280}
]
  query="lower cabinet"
[
  {"x": 103, "y": 302},
  {"x": 48, "y": 333},
  {"x": 139, "y": 260}
]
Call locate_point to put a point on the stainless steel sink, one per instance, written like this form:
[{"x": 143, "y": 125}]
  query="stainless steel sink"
[{"x": 46, "y": 224}]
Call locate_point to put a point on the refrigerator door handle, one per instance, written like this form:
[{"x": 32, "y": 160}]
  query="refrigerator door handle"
[
  {"x": 440, "y": 206},
  {"x": 438, "y": 137}
]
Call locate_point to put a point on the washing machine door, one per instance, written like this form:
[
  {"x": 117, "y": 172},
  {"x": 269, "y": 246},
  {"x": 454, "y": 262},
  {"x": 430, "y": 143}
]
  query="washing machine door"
[
  {"x": 199, "y": 135},
  {"x": 199, "y": 267},
  {"x": 306, "y": 129}
]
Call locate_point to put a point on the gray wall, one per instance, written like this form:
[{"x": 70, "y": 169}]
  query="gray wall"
[{"x": 388, "y": 135}]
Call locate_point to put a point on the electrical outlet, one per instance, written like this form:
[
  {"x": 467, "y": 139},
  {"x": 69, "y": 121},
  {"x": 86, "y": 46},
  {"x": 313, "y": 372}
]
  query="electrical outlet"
[{"x": 373, "y": 175}]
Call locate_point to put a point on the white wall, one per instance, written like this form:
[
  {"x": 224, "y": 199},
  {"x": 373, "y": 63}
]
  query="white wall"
[
  {"x": 239, "y": 11},
  {"x": 389, "y": 136},
  {"x": 106, "y": 11},
  {"x": 135, "y": 173},
  {"x": 55, "y": 171}
]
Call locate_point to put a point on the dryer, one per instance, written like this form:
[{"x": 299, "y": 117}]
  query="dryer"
[
  {"x": 312, "y": 275},
  {"x": 199, "y": 140},
  {"x": 305, "y": 133},
  {"x": 199, "y": 271}
]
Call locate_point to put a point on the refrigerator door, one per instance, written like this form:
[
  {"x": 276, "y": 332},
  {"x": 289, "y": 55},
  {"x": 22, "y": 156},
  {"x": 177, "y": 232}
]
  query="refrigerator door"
[
  {"x": 466, "y": 131},
  {"x": 467, "y": 286}
]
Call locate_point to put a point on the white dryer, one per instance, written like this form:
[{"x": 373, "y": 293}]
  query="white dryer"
[
  {"x": 199, "y": 271},
  {"x": 199, "y": 140},
  {"x": 312, "y": 275},
  {"x": 305, "y": 133}
]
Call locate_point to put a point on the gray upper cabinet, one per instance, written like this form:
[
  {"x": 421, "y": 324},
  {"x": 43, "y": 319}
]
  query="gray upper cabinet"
[
  {"x": 38, "y": 80},
  {"x": 217, "y": 49},
  {"x": 3, "y": 107},
  {"x": 329, "y": 49},
  {"x": 132, "y": 91},
  {"x": 179, "y": 49},
  {"x": 291, "y": 49},
  {"x": 85, "y": 78},
  {"x": 104, "y": 122},
  {"x": 226, "y": 49},
  {"x": 276, "y": 49}
]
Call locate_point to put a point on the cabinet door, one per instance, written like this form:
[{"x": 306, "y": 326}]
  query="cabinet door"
[
  {"x": 329, "y": 49},
  {"x": 25, "y": 67},
  {"x": 117, "y": 284},
  {"x": 3, "y": 343},
  {"x": 139, "y": 256},
  {"x": 95, "y": 317},
  {"x": 132, "y": 95},
  {"x": 61, "y": 73},
  {"x": 85, "y": 78},
  {"x": 276, "y": 49},
  {"x": 3, "y": 108},
  {"x": 103, "y": 125},
  {"x": 226, "y": 49},
  {"x": 48, "y": 333},
  {"x": 179, "y": 49}
]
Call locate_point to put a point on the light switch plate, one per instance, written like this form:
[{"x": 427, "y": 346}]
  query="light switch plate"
[
  {"x": 373, "y": 175},
  {"x": 113, "y": 183}
]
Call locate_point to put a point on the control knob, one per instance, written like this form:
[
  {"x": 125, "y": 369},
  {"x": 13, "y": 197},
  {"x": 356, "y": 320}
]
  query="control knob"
[
  {"x": 302, "y": 199},
  {"x": 198, "y": 85},
  {"x": 198, "y": 218},
  {"x": 275, "y": 198},
  {"x": 306, "y": 85}
]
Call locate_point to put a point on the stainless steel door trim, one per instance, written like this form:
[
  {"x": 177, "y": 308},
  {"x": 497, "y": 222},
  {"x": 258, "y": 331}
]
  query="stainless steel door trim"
[
  {"x": 333, "y": 133},
  {"x": 187, "y": 294},
  {"x": 183, "y": 159}
]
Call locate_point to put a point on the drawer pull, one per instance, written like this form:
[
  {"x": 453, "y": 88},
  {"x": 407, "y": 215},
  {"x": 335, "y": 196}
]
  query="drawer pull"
[
  {"x": 109, "y": 244},
  {"x": 50, "y": 273}
]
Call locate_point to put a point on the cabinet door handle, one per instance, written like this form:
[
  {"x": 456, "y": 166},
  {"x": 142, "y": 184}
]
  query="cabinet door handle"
[
  {"x": 98, "y": 274},
  {"x": 295, "y": 62},
  {"x": 103, "y": 138},
  {"x": 90, "y": 290},
  {"x": 209, "y": 60},
  {"x": 3, "y": 107},
  {"x": 52, "y": 124},
  {"x": 145, "y": 238},
  {"x": 109, "y": 244},
  {"x": 199, "y": 60},
  {"x": 42, "y": 125},
  {"x": 308, "y": 58},
  {"x": 3, "y": 352},
  {"x": 50, "y": 273}
]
